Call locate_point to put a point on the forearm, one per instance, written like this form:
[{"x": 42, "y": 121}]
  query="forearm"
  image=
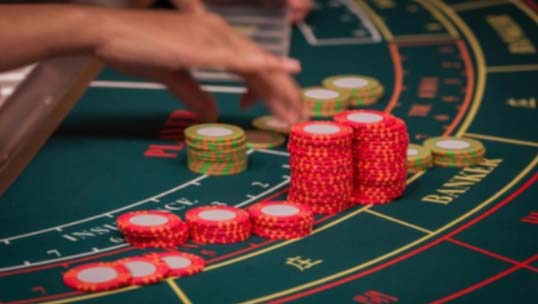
[{"x": 30, "y": 33}]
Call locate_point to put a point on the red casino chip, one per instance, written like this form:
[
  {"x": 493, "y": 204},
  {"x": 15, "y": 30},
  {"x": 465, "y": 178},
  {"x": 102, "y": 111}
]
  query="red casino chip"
[
  {"x": 216, "y": 216},
  {"x": 148, "y": 222},
  {"x": 96, "y": 277},
  {"x": 180, "y": 264},
  {"x": 218, "y": 224},
  {"x": 379, "y": 153},
  {"x": 321, "y": 131},
  {"x": 279, "y": 211},
  {"x": 281, "y": 219},
  {"x": 144, "y": 270}
]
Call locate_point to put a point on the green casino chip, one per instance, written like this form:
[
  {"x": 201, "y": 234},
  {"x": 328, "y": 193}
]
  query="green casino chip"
[
  {"x": 261, "y": 139},
  {"x": 324, "y": 102},
  {"x": 271, "y": 123}
]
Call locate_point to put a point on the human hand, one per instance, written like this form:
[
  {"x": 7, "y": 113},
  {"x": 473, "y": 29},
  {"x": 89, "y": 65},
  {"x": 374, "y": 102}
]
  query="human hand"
[{"x": 163, "y": 46}]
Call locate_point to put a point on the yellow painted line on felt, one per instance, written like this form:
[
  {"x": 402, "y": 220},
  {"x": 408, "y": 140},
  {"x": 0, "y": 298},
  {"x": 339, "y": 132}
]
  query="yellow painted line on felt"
[
  {"x": 513, "y": 68},
  {"x": 398, "y": 221},
  {"x": 178, "y": 291},
  {"x": 485, "y": 203},
  {"x": 471, "y": 5},
  {"x": 440, "y": 17},
  {"x": 216, "y": 266},
  {"x": 316, "y": 231},
  {"x": 480, "y": 64},
  {"x": 503, "y": 139},
  {"x": 527, "y": 10},
  {"x": 377, "y": 20}
]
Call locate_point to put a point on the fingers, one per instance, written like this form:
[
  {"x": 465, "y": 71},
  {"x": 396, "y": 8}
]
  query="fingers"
[
  {"x": 299, "y": 9},
  {"x": 189, "y": 6},
  {"x": 248, "y": 99},
  {"x": 280, "y": 94},
  {"x": 186, "y": 89},
  {"x": 232, "y": 51}
]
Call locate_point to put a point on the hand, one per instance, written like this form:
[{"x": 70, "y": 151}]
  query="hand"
[
  {"x": 189, "y": 6},
  {"x": 164, "y": 46},
  {"x": 299, "y": 9}
]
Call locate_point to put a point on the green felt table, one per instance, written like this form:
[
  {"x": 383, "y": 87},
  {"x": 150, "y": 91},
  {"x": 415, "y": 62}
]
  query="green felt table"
[{"x": 462, "y": 235}]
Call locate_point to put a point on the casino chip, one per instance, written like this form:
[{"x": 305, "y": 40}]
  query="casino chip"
[
  {"x": 216, "y": 149},
  {"x": 95, "y": 277},
  {"x": 380, "y": 142},
  {"x": 455, "y": 152},
  {"x": 321, "y": 166},
  {"x": 362, "y": 90},
  {"x": 218, "y": 224},
  {"x": 281, "y": 220},
  {"x": 271, "y": 123},
  {"x": 261, "y": 139},
  {"x": 144, "y": 270},
  {"x": 419, "y": 158},
  {"x": 324, "y": 102},
  {"x": 181, "y": 264},
  {"x": 153, "y": 229}
]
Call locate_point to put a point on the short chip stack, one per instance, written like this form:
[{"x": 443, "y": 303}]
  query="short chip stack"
[
  {"x": 216, "y": 149},
  {"x": 455, "y": 152},
  {"x": 362, "y": 90},
  {"x": 281, "y": 220},
  {"x": 321, "y": 166},
  {"x": 218, "y": 224},
  {"x": 323, "y": 102},
  {"x": 153, "y": 229},
  {"x": 271, "y": 123},
  {"x": 261, "y": 139},
  {"x": 419, "y": 158},
  {"x": 379, "y": 153}
]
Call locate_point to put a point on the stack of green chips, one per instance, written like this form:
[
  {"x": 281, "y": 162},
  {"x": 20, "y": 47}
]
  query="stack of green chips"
[
  {"x": 216, "y": 149},
  {"x": 323, "y": 102},
  {"x": 419, "y": 158},
  {"x": 455, "y": 152},
  {"x": 362, "y": 90}
]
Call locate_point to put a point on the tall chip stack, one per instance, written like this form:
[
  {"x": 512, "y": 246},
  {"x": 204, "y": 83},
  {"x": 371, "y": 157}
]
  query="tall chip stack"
[
  {"x": 216, "y": 149},
  {"x": 321, "y": 166},
  {"x": 380, "y": 142}
]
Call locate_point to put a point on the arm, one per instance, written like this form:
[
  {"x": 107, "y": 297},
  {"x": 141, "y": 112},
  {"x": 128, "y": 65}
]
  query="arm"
[
  {"x": 161, "y": 46},
  {"x": 30, "y": 33}
]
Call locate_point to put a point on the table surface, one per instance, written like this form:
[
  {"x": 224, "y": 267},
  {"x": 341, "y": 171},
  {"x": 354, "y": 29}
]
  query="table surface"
[{"x": 463, "y": 235}]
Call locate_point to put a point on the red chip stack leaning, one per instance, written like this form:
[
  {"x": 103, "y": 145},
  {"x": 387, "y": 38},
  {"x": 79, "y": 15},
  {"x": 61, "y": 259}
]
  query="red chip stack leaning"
[
  {"x": 380, "y": 143},
  {"x": 153, "y": 229},
  {"x": 321, "y": 166},
  {"x": 281, "y": 220},
  {"x": 180, "y": 264},
  {"x": 218, "y": 224},
  {"x": 144, "y": 270}
]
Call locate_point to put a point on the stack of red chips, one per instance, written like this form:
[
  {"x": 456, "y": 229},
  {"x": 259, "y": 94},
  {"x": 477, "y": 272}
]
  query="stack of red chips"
[
  {"x": 321, "y": 166},
  {"x": 380, "y": 143},
  {"x": 153, "y": 229},
  {"x": 278, "y": 220},
  {"x": 218, "y": 224}
]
